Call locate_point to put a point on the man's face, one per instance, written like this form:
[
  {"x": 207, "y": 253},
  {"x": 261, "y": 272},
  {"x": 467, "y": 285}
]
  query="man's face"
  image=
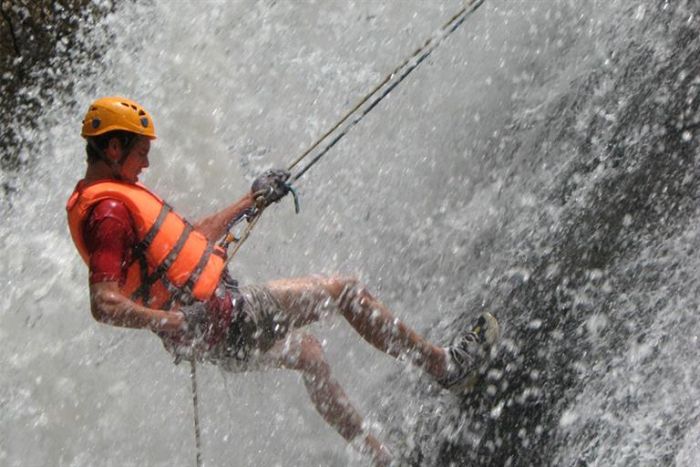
[{"x": 136, "y": 160}]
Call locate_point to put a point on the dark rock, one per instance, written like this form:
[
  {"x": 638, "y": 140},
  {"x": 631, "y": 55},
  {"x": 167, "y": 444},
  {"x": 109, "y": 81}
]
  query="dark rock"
[{"x": 37, "y": 39}]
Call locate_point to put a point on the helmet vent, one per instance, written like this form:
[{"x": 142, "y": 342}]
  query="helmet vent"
[
  {"x": 144, "y": 122},
  {"x": 141, "y": 113},
  {"x": 125, "y": 104},
  {"x": 96, "y": 123}
]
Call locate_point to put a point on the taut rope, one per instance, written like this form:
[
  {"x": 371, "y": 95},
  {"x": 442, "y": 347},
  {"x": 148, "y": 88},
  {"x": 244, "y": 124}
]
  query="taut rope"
[{"x": 390, "y": 81}]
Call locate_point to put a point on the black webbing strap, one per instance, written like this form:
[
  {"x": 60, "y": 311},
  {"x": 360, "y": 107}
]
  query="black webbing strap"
[
  {"x": 194, "y": 277},
  {"x": 141, "y": 247},
  {"x": 175, "y": 293},
  {"x": 140, "y": 253},
  {"x": 165, "y": 265},
  {"x": 143, "y": 272}
]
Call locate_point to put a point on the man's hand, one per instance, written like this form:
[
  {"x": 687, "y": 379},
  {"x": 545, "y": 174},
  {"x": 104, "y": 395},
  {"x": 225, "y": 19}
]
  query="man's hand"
[
  {"x": 203, "y": 324},
  {"x": 270, "y": 187},
  {"x": 194, "y": 320}
]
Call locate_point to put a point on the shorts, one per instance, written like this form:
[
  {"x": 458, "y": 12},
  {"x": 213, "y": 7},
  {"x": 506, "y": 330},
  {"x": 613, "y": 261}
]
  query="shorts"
[{"x": 259, "y": 321}]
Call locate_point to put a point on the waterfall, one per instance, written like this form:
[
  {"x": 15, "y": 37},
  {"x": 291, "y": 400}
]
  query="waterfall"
[{"x": 543, "y": 164}]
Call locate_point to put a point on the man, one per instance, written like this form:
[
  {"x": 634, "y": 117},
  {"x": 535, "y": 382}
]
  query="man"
[{"x": 150, "y": 268}]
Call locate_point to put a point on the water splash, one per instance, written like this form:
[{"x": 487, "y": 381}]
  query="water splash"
[{"x": 542, "y": 165}]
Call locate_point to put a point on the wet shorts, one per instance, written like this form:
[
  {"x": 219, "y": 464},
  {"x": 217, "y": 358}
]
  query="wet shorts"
[{"x": 259, "y": 322}]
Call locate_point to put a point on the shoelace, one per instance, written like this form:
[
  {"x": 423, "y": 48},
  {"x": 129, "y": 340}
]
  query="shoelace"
[{"x": 460, "y": 352}]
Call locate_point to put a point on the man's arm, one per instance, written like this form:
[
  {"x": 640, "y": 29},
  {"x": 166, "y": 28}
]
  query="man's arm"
[
  {"x": 109, "y": 306},
  {"x": 110, "y": 236},
  {"x": 215, "y": 226},
  {"x": 268, "y": 188}
]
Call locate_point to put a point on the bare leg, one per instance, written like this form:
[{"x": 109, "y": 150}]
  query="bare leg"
[
  {"x": 307, "y": 299},
  {"x": 302, "y": 352}
]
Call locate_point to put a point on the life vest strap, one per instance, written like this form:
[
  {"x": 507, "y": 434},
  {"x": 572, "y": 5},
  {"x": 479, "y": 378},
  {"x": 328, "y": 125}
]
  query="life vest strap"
[
  {"x": 160, "y": 271},
  {"x": 143, "y": 272},
  {"x": 142, "y": 246},
  {"x": 194, "y": 277}
]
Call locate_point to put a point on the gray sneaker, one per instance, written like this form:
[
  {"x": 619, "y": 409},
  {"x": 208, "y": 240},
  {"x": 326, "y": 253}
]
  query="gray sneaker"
[{"x": 466, "y": 356}]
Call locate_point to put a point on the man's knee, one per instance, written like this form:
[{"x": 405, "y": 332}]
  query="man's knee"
[
  {"x": 352, "y": 296},
  {"x": 337, "y": 285},
  {"x": 311, "y": 357}
]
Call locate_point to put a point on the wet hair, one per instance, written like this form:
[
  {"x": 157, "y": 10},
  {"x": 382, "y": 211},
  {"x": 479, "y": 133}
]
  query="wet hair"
[{"x": 126, "y": 139}]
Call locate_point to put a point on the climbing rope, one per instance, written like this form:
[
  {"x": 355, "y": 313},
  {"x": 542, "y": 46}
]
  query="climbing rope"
[
  {"x": 195, "y": 407},
  {"x": 388, "y": 84}
]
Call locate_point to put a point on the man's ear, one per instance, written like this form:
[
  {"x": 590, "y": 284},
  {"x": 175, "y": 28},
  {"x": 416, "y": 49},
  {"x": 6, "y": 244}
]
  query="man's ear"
[{"x": 114, "y": 149}]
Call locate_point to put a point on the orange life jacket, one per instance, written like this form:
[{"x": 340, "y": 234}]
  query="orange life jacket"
[{"x": 173, "y": 262}]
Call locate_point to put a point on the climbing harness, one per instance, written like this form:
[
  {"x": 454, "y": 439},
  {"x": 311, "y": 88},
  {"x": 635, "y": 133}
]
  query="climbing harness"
[{"x": 388, "y": 84}]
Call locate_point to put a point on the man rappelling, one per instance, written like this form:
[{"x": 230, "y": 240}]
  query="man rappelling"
[{"x": 149, "y": 268}]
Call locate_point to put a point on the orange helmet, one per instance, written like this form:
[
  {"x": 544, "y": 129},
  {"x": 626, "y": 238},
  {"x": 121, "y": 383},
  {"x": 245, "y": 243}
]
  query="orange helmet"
[{"x": 117, "y": 113}]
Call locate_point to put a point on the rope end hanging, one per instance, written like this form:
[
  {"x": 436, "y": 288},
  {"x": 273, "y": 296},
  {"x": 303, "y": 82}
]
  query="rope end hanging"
[
  {"x": 295, "y": 195},
  {"x": 195, "y": 407}
]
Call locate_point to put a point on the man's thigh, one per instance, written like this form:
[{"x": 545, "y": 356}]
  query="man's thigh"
[
  {"x": 305, "y": 300},
  {"x": 270, "y": 313}
]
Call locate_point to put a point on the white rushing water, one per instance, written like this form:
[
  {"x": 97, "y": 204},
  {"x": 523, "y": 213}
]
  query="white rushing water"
[{"x": 448, "y": 186}]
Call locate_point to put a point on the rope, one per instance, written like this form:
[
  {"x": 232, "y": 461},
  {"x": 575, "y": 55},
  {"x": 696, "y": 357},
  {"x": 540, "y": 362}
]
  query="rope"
[
  {"x": 418, "y": 56},
  {"x": 453, "y": 23},
  {"x": 408, "y": 65},
  {"x": 195, "y": 406},
  {"x": 244, "y": 235}
]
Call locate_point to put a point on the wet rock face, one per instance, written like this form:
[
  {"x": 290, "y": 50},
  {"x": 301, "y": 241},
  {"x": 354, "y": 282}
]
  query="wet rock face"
[
  {"x": 632, "y": 186},
  {"x": 37, "y": 39},
  {"x": 622, "y": 154}
]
